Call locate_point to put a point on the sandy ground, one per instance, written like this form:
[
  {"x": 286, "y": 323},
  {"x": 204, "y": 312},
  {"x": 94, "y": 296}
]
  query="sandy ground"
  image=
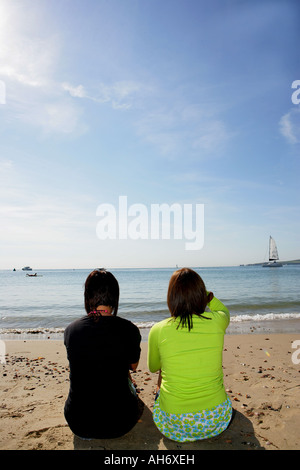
[{"x": 261, "y": 377}]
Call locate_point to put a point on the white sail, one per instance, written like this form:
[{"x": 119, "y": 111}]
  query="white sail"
[{"x": 273, "y": 252}]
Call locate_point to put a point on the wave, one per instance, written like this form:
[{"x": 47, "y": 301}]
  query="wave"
[
  {"x": 31, "y": 331},
  {"x": 265, "y": 317},
  {"x": 143, "y": 325},
  {"x": 245, "y": 318}
]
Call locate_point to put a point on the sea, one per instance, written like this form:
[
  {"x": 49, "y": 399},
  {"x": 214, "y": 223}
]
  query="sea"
[{"x": 260, "y": 300}]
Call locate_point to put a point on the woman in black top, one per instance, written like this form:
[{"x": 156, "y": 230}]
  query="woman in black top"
[{"x": 101, "y": 348}]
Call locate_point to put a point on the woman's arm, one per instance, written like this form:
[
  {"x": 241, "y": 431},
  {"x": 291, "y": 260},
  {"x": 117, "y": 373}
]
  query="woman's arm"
[
  {"x": 153, "y": 352},
  {"x": 215, "y": 305}
]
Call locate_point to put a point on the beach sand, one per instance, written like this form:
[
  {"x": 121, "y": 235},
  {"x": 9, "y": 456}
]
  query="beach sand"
[{"x": 260, "y": 377}]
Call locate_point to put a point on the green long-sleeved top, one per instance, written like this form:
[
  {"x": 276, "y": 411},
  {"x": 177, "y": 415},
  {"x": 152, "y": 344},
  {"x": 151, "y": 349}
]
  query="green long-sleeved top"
[{"x": 190, "y": 361}]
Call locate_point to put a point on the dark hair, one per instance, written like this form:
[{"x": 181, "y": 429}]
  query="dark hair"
[
  {"x": 101, "y": 288},
  {"x": 186, "y": 296}
]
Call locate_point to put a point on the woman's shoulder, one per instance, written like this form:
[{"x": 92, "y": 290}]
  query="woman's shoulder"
[
  {"x": 77, "y": 323},
  {"x": 76, "y": 327},
  {"x": 125, "y": 323},
  {"x": 162, "y": 324}
]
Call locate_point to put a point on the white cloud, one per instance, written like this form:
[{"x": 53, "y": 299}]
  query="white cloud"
[
  {"x": 75, "y": 91},
  {"x": 289, "y": 126},
  {"x": 29, "y": 59},
  {"x": 125, "y": 89},
  {"x": 121, "y": 94},
  {"x": 25, "y": 57}
]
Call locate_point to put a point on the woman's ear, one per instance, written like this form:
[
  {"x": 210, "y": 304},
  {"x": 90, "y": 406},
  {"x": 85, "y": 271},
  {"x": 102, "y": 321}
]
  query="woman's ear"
[{"x": 210, "y": 296}]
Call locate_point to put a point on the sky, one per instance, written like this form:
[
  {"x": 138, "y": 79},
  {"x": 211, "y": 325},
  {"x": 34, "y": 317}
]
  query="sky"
[{"x": 183, "y": 102}]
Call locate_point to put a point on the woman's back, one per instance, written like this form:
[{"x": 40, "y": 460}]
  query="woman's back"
[
  {"x": 101, "y": 348},
  {"x": 190, "y": 360},
  {"x": 191, "y": 402},
  {"x": 99, "y": 352}
]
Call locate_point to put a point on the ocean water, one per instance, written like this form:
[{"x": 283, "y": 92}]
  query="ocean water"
[{"x": 261, "y": 299}]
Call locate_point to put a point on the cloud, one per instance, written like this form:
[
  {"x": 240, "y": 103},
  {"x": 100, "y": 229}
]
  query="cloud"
[
  {"x": 120, "y": 94},
  {"x": 75, "y": 91},
  {"x": 289, "y": 126},
  {"x": 29, "y": 67},
  {"x": 25, "y": 58},
  {"x": 29, "y": 60}
]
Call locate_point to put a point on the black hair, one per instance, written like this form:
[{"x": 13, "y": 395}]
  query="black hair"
[{"x": 101, "y": 288}]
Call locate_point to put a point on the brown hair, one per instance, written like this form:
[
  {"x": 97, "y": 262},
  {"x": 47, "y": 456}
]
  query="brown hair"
[
  {"x": 186, "y": 296},
  {"x": 101, "y": 288}
]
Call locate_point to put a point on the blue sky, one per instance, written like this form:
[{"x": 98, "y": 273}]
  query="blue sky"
[{"x": 169, "y": 101}]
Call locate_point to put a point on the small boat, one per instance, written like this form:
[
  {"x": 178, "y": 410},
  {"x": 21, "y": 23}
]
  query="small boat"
[
  {"x": 27, "y": 268},
  {"x": 273, "y": 255}
]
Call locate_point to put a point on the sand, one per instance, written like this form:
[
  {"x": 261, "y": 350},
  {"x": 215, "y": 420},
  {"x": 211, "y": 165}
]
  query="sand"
[{"x": 261, "y": 377}]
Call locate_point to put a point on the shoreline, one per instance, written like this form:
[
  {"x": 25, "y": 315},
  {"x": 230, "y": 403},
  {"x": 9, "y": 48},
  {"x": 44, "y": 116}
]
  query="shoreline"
[
  {"x": 260, "y": 378},
  {"x": 278, "y": 326}
]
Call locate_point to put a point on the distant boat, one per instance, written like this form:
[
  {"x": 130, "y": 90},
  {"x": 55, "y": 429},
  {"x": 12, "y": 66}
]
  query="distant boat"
[
  {"x": 27, "y": 268},
  {"x": 273, "y": 255}
]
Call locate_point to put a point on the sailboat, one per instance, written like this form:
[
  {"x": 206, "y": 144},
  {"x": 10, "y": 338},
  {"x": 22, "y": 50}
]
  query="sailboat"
[{"x": 273, "y": 255}]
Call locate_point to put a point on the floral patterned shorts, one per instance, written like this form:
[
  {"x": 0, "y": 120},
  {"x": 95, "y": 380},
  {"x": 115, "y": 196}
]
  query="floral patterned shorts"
[{"x": 189, "y": 427}]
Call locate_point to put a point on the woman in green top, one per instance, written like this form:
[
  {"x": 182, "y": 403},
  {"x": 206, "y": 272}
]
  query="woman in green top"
[{"x": 191, "y": 402}]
